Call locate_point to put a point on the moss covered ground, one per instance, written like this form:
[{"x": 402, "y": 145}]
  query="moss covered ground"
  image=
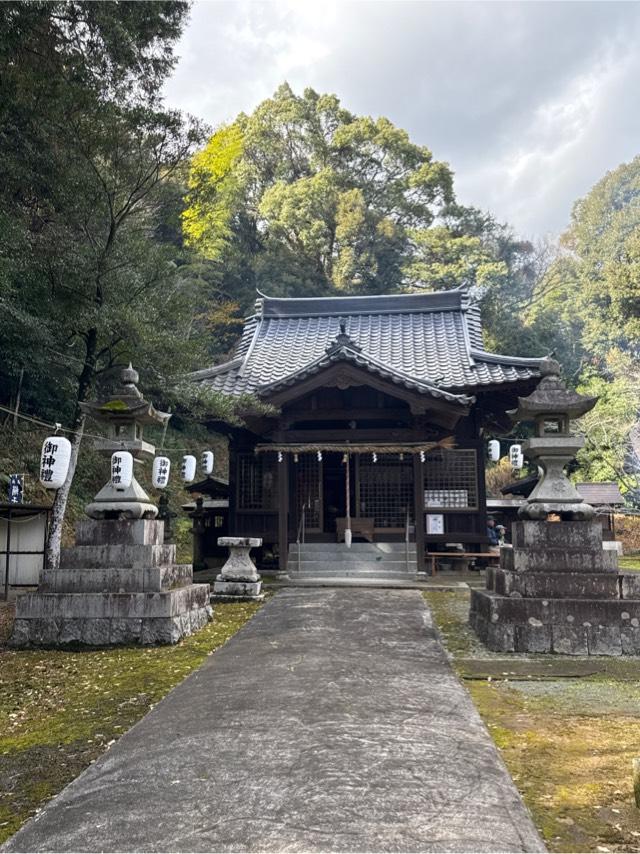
[
  {"x": 60, "y": 710},
  {"x": 630, "y": 562},
  {"x": 567, "y": 728}
]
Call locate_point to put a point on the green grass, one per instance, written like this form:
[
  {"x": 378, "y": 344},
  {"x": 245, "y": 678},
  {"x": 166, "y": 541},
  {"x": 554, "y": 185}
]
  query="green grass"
[
  {"x": 631, "y": 562},
  {"x": 60, "y": 710},
  {"x": 567, "y": 742}
]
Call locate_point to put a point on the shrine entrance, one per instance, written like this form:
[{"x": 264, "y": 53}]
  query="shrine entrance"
[{"x": 380, "y": 489}]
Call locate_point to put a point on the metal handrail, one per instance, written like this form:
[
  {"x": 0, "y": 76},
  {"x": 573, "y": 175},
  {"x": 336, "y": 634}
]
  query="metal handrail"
[
  {"x": 406, "y": 539},
  {"x": 301, "y": 530}
]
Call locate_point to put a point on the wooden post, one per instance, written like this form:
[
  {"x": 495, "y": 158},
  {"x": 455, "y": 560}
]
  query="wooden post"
[
  {"x": 636, "y": 780},
  {"x": 418, "y": 510},
  {"x": 283, "y": 513}
]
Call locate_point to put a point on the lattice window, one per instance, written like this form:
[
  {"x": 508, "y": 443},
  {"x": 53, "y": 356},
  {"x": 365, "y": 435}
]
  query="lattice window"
[
  {"x": 257, "y": 482},
  {"x": 308, "y": 489},
  {"x": 386, "y": 490},
  {"x": 451, "y": 479}
]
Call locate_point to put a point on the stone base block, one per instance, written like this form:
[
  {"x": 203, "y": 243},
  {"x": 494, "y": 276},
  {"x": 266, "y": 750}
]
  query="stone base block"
[
  {"x": 563, "y": 626},
  {"x": 238, "y": 590},
  {"x": 541, "y": 535},
  {"x": 558, "y": 559},
  {"x": 123, "y": 532},
  {"x": 115, "y": 580},
  {"x": 53, "y": 620},
  {"x": 127, "y": 556},
  {"x": 556, "y": 585}
]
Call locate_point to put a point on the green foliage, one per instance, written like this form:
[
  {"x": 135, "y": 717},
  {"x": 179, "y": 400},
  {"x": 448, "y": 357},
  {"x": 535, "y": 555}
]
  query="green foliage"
[
  {"x": 611, "y": 451},
  {"x": 303, "y": 197},
  {"x": 87, "y": 148}
]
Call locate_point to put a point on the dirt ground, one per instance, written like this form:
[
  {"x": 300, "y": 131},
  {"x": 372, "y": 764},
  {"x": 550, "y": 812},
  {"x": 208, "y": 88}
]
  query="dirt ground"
[{"x": 568, "y": 729}]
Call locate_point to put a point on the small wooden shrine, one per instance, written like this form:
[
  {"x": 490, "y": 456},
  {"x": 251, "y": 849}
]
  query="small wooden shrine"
[{"x": 381, "y": 409}]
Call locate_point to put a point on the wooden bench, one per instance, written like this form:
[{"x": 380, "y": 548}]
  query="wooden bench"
[
  {"x": 362, "y": 526},
  {"x": 433, "y": 556}
]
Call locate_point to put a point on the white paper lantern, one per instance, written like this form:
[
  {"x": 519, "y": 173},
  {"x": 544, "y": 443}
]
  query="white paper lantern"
[
  {"x": 188, "y": 468},
  {"x": 206, "y": 463},
  {"x": 494, "y": 450},
  {"x": 54, "y": 461},
  {"x": 121, "y": 469},
  {"x": 160, "y": 472},
  {"x": 515, "y": 456}
]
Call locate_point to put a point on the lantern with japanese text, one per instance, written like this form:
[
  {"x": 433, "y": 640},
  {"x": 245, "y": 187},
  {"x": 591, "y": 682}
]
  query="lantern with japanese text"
[
  {"x": 54, "y": 461},
  {"x": 516, "y": 458},
  {"x": 160, "y": 472},
  {"x": 206, "y": 463},
  {"x": 188, "y": 468},
  {"x": 494, "y": 450},
  {"x": 121, "y": 469}
]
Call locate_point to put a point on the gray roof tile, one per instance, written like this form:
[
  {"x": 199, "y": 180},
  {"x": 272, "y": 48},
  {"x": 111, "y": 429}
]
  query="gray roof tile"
[{"x": 432, "y": 339}]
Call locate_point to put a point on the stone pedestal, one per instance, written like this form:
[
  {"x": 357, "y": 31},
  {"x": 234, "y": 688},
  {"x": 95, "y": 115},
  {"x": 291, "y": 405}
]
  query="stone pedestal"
[
  {"x": 120, "y": 584},
  {"x": 557, "y": 590},
  {"x": 238, "y": 579}
]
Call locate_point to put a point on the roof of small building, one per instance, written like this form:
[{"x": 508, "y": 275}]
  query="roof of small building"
[
  {"x": 602, "y": 494},
  {"x": 607, "y": 492},
  {"x": 430, "y": 342}
]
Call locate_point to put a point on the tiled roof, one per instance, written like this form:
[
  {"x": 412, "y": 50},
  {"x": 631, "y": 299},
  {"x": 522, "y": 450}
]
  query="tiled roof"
[
  {"x": 607, "y": 492},
  {"x": 432, "y": 340}
]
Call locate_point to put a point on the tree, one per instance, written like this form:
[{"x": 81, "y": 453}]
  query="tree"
[
  {"x": 612, "y": 449},
  {"x": 594, "y": 281},
  {"x": 86, "y": 149},
  {"x": 303, "y": 197}
]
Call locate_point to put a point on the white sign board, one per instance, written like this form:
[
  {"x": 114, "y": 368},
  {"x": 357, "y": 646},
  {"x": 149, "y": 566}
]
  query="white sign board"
[{"x": 435, "y": 523}]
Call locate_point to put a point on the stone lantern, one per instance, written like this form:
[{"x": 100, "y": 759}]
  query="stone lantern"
[
  {"x": 120, "y": 583},
  {"x": 124, "y": 414},
  {"x": 556, "y": 590},
  {"x": 552, "y": 407}
]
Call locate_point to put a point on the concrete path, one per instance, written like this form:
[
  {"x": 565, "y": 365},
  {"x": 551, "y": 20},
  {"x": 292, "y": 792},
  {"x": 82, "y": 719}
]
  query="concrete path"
[{"x": 331, "y": 722}]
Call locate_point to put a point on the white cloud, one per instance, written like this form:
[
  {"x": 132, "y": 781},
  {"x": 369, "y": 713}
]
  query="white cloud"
[{"x": 530, "y": 103}]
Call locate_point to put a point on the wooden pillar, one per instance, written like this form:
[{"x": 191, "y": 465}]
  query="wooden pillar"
[
  {"x": 283, "y": 513},
  {"x": 418, "y": 509},
  {"x": 233, "y": 488}
]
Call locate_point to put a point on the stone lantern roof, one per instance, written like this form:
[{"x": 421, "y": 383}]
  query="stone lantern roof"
[
  {"x": 126, "y": 404},
  {"x": 552, "y": 398}
]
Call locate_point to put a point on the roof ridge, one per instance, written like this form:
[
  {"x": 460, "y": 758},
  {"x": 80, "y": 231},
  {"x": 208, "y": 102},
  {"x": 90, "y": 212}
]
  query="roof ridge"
[{"x": 326, "y": 306}]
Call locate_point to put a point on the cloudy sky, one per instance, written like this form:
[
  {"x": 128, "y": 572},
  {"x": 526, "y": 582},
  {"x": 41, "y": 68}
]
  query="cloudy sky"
[{"x": 529, "y": 102}]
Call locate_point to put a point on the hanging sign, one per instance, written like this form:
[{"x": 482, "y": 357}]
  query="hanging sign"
[
  {"x": 160, "y": 472},
  {"x": 15, "y": 489},
  {"x": 188, "y": 468},
  {"x": 54, "y": 461},
  {"x": 206, "y": 463},
  {"x": 121, "y": 469}
]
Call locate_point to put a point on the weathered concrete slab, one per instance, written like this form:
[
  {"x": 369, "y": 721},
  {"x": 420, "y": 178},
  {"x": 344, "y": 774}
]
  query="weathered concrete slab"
[{"x": 331, "y": 722}]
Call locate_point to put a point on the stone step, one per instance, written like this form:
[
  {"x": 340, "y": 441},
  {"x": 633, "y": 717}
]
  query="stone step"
[
  {"x": 347, "y": 573},
  {"x": 341, "y": 548},
  {"x": 354, "y": 565},
  {"x": 362, "y": 557},
  {"x": 340, "y": 581},
  {"x": 321, "y": 567}
]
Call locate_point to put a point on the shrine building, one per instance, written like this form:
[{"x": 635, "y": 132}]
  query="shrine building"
[{"x": 381, "y": 410}]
